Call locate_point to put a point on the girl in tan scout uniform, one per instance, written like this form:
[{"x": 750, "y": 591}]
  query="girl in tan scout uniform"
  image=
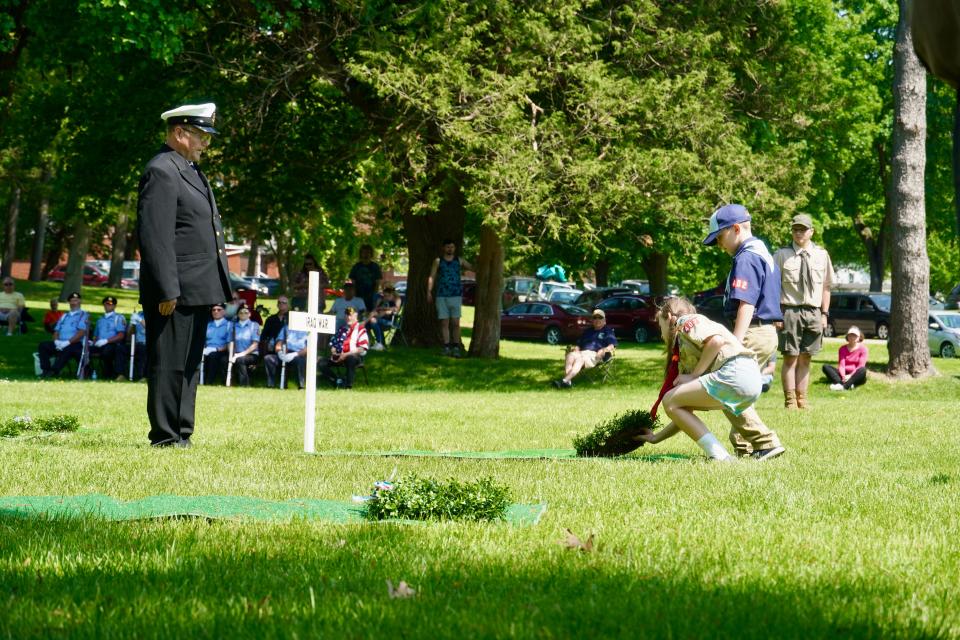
[{"x": 716, "y": 372}]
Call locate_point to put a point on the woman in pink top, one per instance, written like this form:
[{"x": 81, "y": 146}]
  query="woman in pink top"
[{"x": 851, "y": 369}]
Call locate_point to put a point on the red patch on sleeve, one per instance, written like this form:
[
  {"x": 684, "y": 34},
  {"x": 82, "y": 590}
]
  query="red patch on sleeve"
[
  {"x": 739, "y": 283},
  {"x": 689, "y": 324}
]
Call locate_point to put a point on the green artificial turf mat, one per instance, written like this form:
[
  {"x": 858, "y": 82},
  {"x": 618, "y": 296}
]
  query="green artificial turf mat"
[
  {"x": 510, "y": 454},
  {"x": 212, "y": 507}
]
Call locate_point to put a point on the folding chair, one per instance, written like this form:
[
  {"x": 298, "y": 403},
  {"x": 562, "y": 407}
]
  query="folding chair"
[
  {"x": 395, "y": 330},
  {"x": 603, "y": 372}
]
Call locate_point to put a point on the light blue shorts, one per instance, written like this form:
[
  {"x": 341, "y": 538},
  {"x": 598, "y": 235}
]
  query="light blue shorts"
[
  {"x": 448, "y": 307},
  {"x": 736, "y": 385}
]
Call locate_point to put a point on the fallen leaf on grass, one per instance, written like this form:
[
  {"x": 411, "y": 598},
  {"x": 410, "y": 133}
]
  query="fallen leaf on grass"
[
  {"x": 574, "y": 542},
  {"x": 403, "y": 590}
]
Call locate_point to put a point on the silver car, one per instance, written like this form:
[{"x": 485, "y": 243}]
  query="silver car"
[{"x": 943, "y": 336}]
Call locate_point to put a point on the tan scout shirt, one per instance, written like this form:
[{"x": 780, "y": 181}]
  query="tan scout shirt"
[
  {"x": 821, "y": 269},
  {"x": 693, "y": 330}
]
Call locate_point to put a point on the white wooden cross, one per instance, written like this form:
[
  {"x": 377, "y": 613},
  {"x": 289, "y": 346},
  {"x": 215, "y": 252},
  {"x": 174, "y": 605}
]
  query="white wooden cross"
[{"x": 313, "y": 323}]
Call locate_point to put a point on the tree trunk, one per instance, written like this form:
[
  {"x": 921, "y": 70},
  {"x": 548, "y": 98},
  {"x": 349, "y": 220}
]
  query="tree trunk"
[
  {"x": 485, "y": 340},
  {"x": 424, "y": 235},
  {"x": 956, "y": 164},
  {"x": 655, "y": 266},
  {"x": 874, "y": 247},
  {"x": 54, "y": 251},
  {"x": 253, "y": 262},
  {"x": 119, "y": 247},
  {"x": 10, "y": 246},
  {"x": 40, "y": 232},
  {"x": 73, "y": 280},
  {"x": 909, "y": 353},
  {"x": 601, "y": 271}
]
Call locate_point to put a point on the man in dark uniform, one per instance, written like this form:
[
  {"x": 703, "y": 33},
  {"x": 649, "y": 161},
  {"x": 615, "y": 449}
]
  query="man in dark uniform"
[{"x": 183, "y": 270}]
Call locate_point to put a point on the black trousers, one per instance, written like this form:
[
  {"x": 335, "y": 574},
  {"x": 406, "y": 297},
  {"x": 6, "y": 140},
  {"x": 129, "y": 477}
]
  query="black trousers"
[
  {"x": 174, "y": 347},
  {"x": 241, "y": 369},
  {"x": 297, "y": 366},
  {"x": 856, "y": 378},
  {"x": 348, "y": 365},
  {"x": 215, "y": 366},
  {"x": 47, "y": 350},
  {"x": 111, "y": 359}
]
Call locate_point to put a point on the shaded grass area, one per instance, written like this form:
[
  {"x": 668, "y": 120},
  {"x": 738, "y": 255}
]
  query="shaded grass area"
[{"x": 852, "y": 533}]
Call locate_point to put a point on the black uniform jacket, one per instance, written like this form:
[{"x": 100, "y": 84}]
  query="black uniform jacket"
[{"x": 182, "y": 253}]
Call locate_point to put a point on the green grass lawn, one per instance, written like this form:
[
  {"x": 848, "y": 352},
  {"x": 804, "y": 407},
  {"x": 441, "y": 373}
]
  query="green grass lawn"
[{"x": 853, "y": 533}]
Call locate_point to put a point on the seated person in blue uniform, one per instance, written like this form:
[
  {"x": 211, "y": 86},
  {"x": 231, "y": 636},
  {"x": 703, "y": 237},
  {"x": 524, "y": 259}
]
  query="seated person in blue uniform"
[
  {"x": 246, "y": 346},
  {"x": 69, "y": 335},
  {"x": 291, "y": 348},
  {"x": 595, "y": 345},
  {"x": 216, "y": 346},
  {"x": 108, "y": 335},
  {"x": 136, "y": 340}
]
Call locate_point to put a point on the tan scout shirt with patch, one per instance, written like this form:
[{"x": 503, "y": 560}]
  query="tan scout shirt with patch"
[
  {"x": 821, "y": 270},
  {"x": 693, "y": 330}
]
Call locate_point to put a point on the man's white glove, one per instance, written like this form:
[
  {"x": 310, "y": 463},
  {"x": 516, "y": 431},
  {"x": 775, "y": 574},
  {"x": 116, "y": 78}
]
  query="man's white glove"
[
  {"x": 61, "y": 344},
  {"x": 208, "y": 350},
  {"x": 99, "y": 343},
  {"x": 233, "y": 359},
  {"x": 289, "y": 356}
]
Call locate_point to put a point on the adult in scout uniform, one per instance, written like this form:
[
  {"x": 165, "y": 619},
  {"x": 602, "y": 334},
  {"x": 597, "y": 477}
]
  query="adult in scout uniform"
[
  {"x": 108, "y": 336},
  {"x": 751, "y": 307},
  {"x": 806, "y": 277},
  {"x": 183, "y": 270}
]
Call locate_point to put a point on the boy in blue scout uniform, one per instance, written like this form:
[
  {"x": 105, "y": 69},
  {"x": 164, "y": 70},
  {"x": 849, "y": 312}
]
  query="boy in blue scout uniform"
[
  {"x": 295, "y": 356},
  {"x": 752, "y": 306},
  {"x": 246, "y": 344},
  {"x": 216, "y": 345},
  {"x": 108, "y": 335},
  {"x": 68, "y": 337}
]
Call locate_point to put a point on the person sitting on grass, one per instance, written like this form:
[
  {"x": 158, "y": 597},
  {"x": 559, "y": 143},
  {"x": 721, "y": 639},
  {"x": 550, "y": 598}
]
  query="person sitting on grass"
[
  {"x": 383, "y": 316},
  {"x": 851, "y": 369},
  {"x": 716, "y": 372},
  {"x": 347, "y": 349},
  {"x": 595, "y": 345}
]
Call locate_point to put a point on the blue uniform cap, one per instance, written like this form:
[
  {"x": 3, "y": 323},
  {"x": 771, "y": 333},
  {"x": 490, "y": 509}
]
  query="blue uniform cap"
[{"x": 724, "y": 217}]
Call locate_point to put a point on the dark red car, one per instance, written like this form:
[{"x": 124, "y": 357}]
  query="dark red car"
[
  {"x": 631, "y": 317},
  {"x": 554, "y": 323},
  {"x": 92, "y": 276}
]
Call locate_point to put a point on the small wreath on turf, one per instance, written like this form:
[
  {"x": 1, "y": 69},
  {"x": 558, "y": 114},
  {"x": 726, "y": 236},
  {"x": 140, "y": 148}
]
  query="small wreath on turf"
[
  {"x": 416, "y": 498},
  {"x": 616, "y": 436},
  {"x": 12, "y": 427}
]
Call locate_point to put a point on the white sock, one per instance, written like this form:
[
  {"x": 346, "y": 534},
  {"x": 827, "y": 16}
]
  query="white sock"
[{"x": 712, "y": 447}]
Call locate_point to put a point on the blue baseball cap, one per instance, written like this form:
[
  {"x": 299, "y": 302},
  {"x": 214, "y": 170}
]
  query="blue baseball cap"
[{"x": 725, "y": 216}]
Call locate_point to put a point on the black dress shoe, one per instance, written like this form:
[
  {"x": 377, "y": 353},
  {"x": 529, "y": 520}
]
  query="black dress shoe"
[
  {"x": 168, "y": 443},
  {"x": 183, "y": 444}
]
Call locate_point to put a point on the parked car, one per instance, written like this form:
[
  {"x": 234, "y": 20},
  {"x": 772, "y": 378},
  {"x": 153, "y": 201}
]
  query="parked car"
[
  {"x": 590, "y": 299},
  {"x": 564, "y": 296},
  {"x": 631, "y": 316},
  {"x": 953, "y": 298},
  {"x": 265, "y": 286},
  {"x": 869, "y": 311},
  {"x": 554, "y": 323},
  {"x": 712, "y": 307},
  {"x": 543, "y": 288},
  {"x": 129, "y": 277},
  {"x": 642, "y": 287},
  {"x": 943, "y": 336},
  {"x": 92, "y": 276},
  {"x": 936, "y": 304},
  {"x": 469, "y": 292},
  {"x": 516, "y": 289}
]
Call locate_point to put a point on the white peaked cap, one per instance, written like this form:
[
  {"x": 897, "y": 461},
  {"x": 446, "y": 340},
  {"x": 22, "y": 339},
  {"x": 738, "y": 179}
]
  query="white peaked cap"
[{"x": 199, "y": 115}]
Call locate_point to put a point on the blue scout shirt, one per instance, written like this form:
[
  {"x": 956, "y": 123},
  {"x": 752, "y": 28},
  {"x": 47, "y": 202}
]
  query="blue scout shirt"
[
  {"x": 109, "y": 325},
  {"x": 594, "y": 340},
  {"x": 139, "y": 327},
  {"x": 754, "y": 279},
  {"x": 218, "y": 336},
  {"x": 245, "y": 334},
  {"x": 296, "y": 340},
  {"x": 70, "y": 323}
]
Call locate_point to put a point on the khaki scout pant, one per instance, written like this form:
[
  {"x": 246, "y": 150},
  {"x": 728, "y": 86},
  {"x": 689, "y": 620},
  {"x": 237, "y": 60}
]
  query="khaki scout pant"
[{"x": 748, "y": 433}]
